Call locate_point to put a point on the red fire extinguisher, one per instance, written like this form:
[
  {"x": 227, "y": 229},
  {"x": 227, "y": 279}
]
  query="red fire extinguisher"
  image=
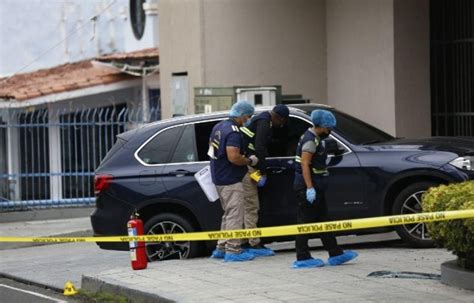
[{"x": 137, "y": 248}]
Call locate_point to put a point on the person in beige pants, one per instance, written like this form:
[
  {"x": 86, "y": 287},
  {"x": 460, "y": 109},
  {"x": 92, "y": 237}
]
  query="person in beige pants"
[
  {"x": 228, "y": 168},
  {"x": 257, "y": 135}
]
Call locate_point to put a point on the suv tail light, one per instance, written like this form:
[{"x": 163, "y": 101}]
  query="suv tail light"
[{"x": 102, "y": 182}]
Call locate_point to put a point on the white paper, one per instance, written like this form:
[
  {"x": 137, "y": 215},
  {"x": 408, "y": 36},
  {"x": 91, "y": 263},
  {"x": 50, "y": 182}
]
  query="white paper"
[{"x": 205, "y": 181}]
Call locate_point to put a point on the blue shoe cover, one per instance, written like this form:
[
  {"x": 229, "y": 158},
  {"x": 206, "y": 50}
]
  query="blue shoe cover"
[
  {"x": 345, "y": 257},
  {"x": 218, "y": 254},
  {"x": 260, "y": 252},
  {"x": 242, "y": 256},
  {"x": 308, "y": 263}
]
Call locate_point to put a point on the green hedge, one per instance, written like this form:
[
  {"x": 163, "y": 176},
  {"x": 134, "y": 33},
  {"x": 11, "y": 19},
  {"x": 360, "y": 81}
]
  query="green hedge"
[{"x": 455, "y": 235}]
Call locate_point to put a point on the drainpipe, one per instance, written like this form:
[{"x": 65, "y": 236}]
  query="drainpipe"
[{"x": 145, "y": 103}]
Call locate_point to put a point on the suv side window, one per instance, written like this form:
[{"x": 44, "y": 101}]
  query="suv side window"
[
  {"x": 186, "y": 148},
  {"x": 159, "y": 149}
]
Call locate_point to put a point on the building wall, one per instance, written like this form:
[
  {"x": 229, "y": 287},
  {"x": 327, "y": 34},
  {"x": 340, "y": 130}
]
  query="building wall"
[
  {"x": 369, "y": 58},
  {"x": 181, "y": 46},
  {"x": 261, "y": 42},
  {"x": 412, "y": 68},
  {"x": 247, "y": 42},
  {"x": 361, "y": 60}
]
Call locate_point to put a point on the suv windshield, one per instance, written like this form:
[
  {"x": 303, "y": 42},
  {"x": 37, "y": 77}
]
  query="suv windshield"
[{"x": 353, "y": 129}]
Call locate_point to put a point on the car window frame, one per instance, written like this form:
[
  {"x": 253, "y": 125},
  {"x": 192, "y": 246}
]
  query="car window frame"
[
  {"x": 174, "y": 147},
  {"x": 349, "y": 150}
]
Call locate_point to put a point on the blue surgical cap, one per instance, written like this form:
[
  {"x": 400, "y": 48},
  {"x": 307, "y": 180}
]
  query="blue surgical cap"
[
  {"x": 323, "y": 118},
  {"x": 241, "y": 108}
]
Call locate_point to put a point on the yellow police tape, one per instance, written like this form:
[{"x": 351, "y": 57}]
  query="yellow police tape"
[{"x": 286, "y": 230}]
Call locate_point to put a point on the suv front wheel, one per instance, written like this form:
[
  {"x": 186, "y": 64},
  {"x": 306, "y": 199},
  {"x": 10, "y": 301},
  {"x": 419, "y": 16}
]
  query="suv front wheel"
[
  {"x": 408, "y": 202},
  {"x": 169, "y": 223}
]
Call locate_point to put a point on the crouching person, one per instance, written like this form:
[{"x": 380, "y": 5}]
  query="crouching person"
[{"x": 228, "y": 168}]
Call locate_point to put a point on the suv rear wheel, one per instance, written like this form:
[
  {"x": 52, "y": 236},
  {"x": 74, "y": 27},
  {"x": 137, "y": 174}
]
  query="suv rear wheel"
[
  {"x": 408, "y": 202},
  {"x": 170, "y": 223}
]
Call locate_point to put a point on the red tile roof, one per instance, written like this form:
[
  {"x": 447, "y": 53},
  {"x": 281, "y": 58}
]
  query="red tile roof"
[
  {"x": 149, "y": 53},
  {"x": 68, "y": 77}
]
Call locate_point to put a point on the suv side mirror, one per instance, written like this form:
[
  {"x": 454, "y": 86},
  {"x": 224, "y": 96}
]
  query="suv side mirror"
[{"x": 332, "y": 147}]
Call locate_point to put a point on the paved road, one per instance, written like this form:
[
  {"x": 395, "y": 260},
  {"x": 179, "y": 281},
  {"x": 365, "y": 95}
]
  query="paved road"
[{"x": 13, "y": 291}]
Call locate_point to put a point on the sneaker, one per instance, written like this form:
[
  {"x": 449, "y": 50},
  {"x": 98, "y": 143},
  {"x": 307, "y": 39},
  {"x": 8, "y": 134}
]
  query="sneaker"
[
  {"x": 242, "y": 256},
  {"x": 343, "y": 258},
  {"x": 259, "y": 250},
  {"x": 308, "y": 263},
  {"x": 218, "y": 254}
]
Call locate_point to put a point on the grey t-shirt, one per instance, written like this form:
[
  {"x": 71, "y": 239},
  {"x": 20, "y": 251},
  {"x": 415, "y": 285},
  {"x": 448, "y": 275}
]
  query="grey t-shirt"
[{"x": 310, "y": 146}]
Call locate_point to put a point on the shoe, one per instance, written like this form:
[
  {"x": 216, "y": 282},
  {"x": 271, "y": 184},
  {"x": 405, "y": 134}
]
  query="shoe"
[
  {"x": 242, "y": 256},
  {"x": 308, "y": 263},
  {"x": 258, "y": 250},
  {"x": 343, "y": 258},
  {"x": 218, "y": 254}
]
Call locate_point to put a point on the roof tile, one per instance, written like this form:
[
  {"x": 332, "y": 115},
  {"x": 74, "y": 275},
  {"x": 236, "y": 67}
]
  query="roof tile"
[{"x": 68, "y": 77}]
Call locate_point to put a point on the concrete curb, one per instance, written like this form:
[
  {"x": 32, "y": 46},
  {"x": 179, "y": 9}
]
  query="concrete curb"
[
  {"x": 453, "y": 275},
  {"x": 95, "y": 285}
]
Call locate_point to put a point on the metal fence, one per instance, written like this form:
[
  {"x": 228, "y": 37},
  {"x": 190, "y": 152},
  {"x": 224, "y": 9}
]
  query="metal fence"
[
  {"x": 452, "y": 67},
  {"x": 48, "y": 158}
]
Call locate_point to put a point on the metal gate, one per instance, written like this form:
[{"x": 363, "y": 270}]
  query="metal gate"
[
  {"x": 48, "y": 158},
  {"x": 452, "y": 67}
]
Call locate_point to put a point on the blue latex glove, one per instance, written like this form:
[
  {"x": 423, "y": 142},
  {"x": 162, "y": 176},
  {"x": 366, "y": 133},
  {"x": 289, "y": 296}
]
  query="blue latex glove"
[
  {"x": 310, "y": 195},
  {"x": 262, "y": 181}
]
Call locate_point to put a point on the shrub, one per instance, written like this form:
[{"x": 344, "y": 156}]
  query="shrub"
[{"x": 456, "y": 235}]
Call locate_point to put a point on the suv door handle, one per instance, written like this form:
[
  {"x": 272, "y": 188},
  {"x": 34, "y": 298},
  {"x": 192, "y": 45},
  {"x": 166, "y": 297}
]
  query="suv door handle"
[
  {"x": 179, "y": 172},
  {"x": 276, "y": 169}
]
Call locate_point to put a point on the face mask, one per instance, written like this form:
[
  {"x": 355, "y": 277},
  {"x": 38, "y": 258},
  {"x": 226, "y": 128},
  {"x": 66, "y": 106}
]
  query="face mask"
[
  {"x": 324, "y": 135},
  {"x": 247, "y": 123}
]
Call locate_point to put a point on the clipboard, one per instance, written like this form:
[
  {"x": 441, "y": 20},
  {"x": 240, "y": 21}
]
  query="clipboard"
[{"x": 203, "y": 177}]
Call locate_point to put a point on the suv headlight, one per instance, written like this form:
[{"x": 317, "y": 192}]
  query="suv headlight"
[{"x": 465, "y": 163}]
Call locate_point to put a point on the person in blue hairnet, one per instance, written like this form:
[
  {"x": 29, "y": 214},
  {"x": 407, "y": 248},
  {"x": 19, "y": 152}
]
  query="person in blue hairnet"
[
  {"x": 257, "y": 135},
  {"x": 228, "y": 168},
  {"x": 310, "y": 186}
]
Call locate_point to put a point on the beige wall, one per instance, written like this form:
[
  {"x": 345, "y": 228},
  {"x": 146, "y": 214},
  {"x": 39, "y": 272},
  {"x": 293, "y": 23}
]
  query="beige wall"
[
  {"x": 369, "y": 58},
  {"x": 246, "y": 42},
  {"x": 412, "y": 68},
  {"x": 180, "y": 46},
  {"x": 260, "y": 42},
  {"x": 360, "y": 60}
]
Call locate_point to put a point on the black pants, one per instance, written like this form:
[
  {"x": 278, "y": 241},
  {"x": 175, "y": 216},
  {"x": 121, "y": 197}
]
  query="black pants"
[{"x": 312, "y": 213}]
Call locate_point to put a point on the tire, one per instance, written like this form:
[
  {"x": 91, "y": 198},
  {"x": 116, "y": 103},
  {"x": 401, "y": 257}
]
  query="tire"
[
  {"x": 408, "y": 201},
  {"x": 170, "y": 223}
]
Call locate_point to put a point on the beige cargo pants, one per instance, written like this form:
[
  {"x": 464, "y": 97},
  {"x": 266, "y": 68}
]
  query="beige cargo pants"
[
  {"x": 252, "y": 204},
  {"x": 232, "y": 202}
]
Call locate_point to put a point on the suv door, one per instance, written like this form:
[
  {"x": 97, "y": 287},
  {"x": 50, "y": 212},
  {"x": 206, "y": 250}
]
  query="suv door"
[
  {"x": 345, "y": 194},
  {"x": 277, "y": 199},
  {"x": 190, "y": 156}
]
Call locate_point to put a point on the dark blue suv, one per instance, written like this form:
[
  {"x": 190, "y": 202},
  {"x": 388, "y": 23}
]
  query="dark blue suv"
[{"x": 151, "y": 169}]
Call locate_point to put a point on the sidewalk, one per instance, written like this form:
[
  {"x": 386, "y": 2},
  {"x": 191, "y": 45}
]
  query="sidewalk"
[
  {"x": 271, "y": 279},
  {"x": 76, "y": 227},
  {"x": 207, "y": 280}
]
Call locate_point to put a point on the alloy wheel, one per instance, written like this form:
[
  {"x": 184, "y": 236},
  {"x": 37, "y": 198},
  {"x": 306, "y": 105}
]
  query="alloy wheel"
[
  {"x": 412, "y": 205},
  {"x": 158, "y": 251}
]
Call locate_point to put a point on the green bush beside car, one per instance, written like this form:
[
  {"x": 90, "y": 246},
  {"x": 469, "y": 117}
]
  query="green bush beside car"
[{"x": 455, "y": 235}]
